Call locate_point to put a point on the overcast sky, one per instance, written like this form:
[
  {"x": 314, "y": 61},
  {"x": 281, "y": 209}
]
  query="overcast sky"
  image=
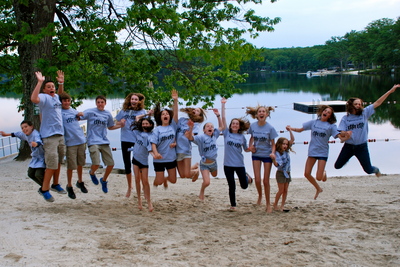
[{"x": 312, "y": 22}]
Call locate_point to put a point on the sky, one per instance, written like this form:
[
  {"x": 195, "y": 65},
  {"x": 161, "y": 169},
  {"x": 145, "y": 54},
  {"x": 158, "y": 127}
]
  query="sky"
[{"x": 313, "y": 22}]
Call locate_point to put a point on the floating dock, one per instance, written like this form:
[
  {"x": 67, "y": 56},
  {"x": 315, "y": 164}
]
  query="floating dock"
[{"x": 312, "y": 107}]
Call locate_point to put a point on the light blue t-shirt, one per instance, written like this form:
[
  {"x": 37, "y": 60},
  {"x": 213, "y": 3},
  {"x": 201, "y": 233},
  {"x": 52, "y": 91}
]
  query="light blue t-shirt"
[
  {"x": 321, "y": 131},
  {"x": 283, "y": 161},
  {"x": 163, "y": 137},
  {"x": 97, "y": 123},
  {"x": 50, "y": 109},
  {"x": 183, "y": 144},
  {"x": 358, "y": 124},
  {"x": 233, "y": 144},
  {"x": 142, "y": 147},
  {"x": 207, "y": 145},
  {"x": 73, "y": 133},
  {"x": 262, "y": 136},
  {"x": 130, "y": 117},
  {"x": 37, "y": 154}
]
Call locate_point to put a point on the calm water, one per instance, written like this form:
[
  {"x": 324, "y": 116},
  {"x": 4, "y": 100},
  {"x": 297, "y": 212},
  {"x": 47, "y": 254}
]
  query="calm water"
[{"x": 281, "y": 91}]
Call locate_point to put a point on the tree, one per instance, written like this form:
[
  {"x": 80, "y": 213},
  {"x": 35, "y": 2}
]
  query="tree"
[{"x": 105, "y": 48}]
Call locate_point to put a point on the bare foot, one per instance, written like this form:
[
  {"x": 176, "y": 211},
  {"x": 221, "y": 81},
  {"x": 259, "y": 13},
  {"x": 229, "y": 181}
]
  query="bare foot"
[
  {"x": 276, "y": 208},
  {"x": 195, "y": 166},
  {"x": 268, "y": 209},
  {"x": 324, "y": 178},
  {"x": 140, "y": 207},
  {"x": 317, "y": 193},
  {"x": 166, "y": 184},
  {"x": 195, "y": 176},
  {"x": 151, "y": 208},
  {"x": 128, "y": 193},
  {"x": 201, "y": 197},
  {"x": 259, "y": 200},
  {"x": 232, "y": 209}
]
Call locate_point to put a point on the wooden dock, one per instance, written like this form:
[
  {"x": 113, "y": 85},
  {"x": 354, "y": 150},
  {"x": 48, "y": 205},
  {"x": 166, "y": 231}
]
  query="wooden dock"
[{"x": 312, "y": 107}]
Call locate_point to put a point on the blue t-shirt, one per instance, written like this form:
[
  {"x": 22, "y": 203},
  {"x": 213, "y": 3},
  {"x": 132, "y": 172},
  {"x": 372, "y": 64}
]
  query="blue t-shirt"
[
  {"x": 97, "y": 123},
  {"x": 321, "y": 131},
  {"x": 358, "y": 124},
  {"x": 130, "y": 117},
  {"x": 163, "y": 137},
  {"x": 207, "y": 145},
  {"x": 73, "y": 133},
  {"x": 37, "y": 154},
  {"x": 50, "y": 109},
  {"x": 233, "y": 144},
  {"x": 142, "y": 147},
  {"x": 283, "y": 161},
  {"x": 183, "y": 144},
  {"x": 262, "y": 136}
]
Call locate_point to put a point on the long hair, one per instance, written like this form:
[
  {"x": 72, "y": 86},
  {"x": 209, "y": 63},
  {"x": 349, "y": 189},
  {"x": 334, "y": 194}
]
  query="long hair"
[
  {"x": 137, "y": 125},
  {"x": 332, "y": 118},
  {"x": 195, "y": 118},
  {"x": 157, "y": 114},
  {"x": 127, "y": 102},
  {"x": 244, "y": 125},
  {"x": 252, "y": 111},
  {"x": 279, "y": 145},
  {"x": 350, "y": 106}
]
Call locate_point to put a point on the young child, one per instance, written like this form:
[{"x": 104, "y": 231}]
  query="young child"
[
  {"x": 234, "y": 143},
  {"x": 75, "y": 141},
  {"x": 183, "y": 145},
  {"x": 132, "y": 107},
  {"x": 262, "y": 145},
  {"x": 321, "y": 130},
  {"x": 37, "y": 165},
  {"x": 51, "y": 130},
  {"x": 207, "y": 145},
  {"x": 142, "y": 130},
  {"x": 355, "y": 125},
  {"x": 282, "y": 162},
  {"x": 98, "y": 121},
  {"x": 163, "y": 142}
]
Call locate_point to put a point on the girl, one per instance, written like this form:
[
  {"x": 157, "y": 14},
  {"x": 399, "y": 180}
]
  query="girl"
[
  {"x": 262, "y": 145},
  {"x": 234, "y": 141},
  {"x": 142, "y": 130},
  {"x": 183, "y": 145},
  {"x": 282, "y": 162},
  {"x": 355, "y": 125},
  {"x": 321, "y": 130},
  {"x": 163, "y": 142},
  {"x": 132, "y": 107},
  {"x": 207, "y": 145}
]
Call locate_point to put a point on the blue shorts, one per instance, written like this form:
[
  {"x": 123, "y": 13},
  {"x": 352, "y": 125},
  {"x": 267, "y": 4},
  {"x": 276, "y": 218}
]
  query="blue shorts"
[
  {"x": 265, "y": 160},
  {"x": 320, "y": 158},
  {"x": 212, "y": 167}
]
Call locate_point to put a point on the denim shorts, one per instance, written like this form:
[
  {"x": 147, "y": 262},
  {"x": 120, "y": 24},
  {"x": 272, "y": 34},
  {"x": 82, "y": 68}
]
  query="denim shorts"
[{"x": 212, "y": 166}]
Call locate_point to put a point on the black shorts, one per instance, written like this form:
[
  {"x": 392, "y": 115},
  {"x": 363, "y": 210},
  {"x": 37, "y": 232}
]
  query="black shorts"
[
  {"x": 161, "y": 166},
  {"x": 140, "y": 165}
]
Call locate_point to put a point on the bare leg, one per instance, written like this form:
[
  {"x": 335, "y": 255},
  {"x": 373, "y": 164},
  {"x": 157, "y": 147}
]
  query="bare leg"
[
  {"x": 138, "y": 177},
  {"x": 146, "y": 187},
  {"x": 284, "y": 195},
  {"x": 278, "y": 195},
  {"x": 93, "y": 169},
  {"x": 48, "y": 174},
  {"x": 267, "y": 187},
  {"x": 307, "y": 173},
  {"x": 107, "y": 172},
  {"x": 183, "y": 167},
  {"x": 129, "y": 180},
  {"x": 56, "y": 175},
  {"x": 257, "y": 178},
  {"x": 69, "y": 177},
  {"x": 206, "y": 182},
  {"x": 172, "y": 175},
  {"x": 79, "y": 171}
]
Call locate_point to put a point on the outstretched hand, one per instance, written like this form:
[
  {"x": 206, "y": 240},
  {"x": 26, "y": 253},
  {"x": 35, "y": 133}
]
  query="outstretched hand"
[
  {"x": 60, "y": 76},
  {"x": 39, "y": 76}
]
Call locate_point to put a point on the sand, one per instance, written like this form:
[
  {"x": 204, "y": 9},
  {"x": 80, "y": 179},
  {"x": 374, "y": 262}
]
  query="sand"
[{"x": 354, "y": 222}]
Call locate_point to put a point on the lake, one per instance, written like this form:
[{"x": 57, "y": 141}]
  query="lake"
[{"x": 281, "y": 90}]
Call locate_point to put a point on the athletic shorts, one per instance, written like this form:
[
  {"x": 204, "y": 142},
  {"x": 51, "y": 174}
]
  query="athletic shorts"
[{"x": 162, "y": 166}]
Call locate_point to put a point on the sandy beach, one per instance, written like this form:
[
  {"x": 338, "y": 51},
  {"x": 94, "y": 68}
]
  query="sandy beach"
[{"x": 354, "y": 222}]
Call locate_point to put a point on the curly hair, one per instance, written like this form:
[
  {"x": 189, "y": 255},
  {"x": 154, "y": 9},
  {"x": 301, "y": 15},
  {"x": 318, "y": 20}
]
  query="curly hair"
[
  {"x": 350, "y": 106},
  {"x": 195, "y": 118},
  {"x": 332, "y": 118},
  {"x": 252, "y": 111},
  {"x": 244, "y": 125},
  {"x": 127, "y": 102},
  {"x": 137, "y": 125},
  {"x": 157, "y": 114}
]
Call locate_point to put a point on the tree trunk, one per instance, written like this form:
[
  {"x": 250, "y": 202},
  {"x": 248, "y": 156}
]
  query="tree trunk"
[{"x": 32, "y": 17}]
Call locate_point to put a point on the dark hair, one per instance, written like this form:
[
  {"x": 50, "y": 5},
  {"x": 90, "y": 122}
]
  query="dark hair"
[
  {"x": 27, "y": 122},
  {"x": 157, "y": 114},
  {"x": 137, "y": 125},
  {"x": 350, "y": 106},
  {"x": 101, "y": 97},
  {"x": 244, "y": 125},
  {"x": 332, "y": 118},
  {"x": 127, "y": 102},
  {"x": 64, "y": 96}
]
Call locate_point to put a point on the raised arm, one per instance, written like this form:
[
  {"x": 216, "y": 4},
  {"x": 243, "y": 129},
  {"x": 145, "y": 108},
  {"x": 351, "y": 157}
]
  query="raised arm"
[
  {"x": 223, "y": 102},
  {"x": 60, "y": 81},
  {"x": 35, "y": 94},
  {"x": 174, "y": 95},
  {"x": 189, "y": 133},
  {"x": 380, "y": 100},
  {"x": 291, "y": 141}
]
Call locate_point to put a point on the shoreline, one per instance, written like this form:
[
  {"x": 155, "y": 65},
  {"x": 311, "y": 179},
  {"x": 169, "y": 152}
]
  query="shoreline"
[{"x": 353, "y": 222}]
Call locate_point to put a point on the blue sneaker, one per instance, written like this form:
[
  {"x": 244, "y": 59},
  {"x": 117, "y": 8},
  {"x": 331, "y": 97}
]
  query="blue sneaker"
[
  {"x": 104, "y": 185},
  {"x": 94, "y": 178},
  {"x": 57, "y": 188},
  {"x": 46, "y": 195}
]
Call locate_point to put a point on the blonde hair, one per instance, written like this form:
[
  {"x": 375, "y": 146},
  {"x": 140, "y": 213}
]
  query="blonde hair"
[
  {"x": 195, "y": 118},
  {"x": 252, "y": 111}
]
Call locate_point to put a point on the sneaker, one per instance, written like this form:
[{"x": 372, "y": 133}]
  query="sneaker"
[
  {"x": 82, "y": 187},
  {"x": 104, "y": 185},
  {"x": 57, "y": 188},
  {"x": 71, "y": 193},
  {"x": 377, "y": 172},
  {"x": 94, "y": 178},
  {"x": 46, "y": 195}
]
